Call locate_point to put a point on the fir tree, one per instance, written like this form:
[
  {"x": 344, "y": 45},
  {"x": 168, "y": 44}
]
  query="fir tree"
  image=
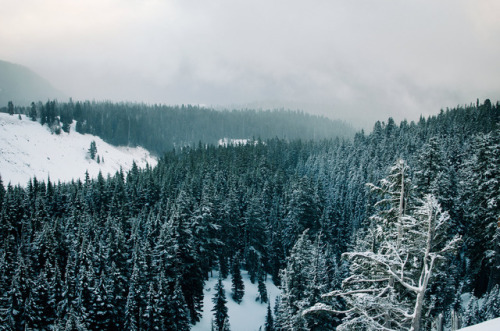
[
  {"x": 92, "y": 150},
  {"x": 471, "y": 315},
  {"x": 32, "y": 112},
  {"x": 238, "y": 288},
  {"x": 10, "y": 108},
  {"x": 262, "y": 290},
  {"x": 220, "y": 310},
  {"x": 178, "y": 313},
  {"x": 269, "y": 325}
]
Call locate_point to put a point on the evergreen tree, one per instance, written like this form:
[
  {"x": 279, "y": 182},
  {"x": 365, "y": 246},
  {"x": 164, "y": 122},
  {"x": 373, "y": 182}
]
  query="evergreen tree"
[
  {"x": 238, "y": 287},
  {"x": 269, "y": 325},
  {"x": 492, "y": 304},
  {"x": 10, "y": 108},
  {"x": 179, "y": 318},
  {"x": 92, "y": 150},
  {"x": 32, "y": 112},
  {"x": 220, "y": 310},
  {"x": 471, "y": 314},
  {"x": 262, "y": 290}
]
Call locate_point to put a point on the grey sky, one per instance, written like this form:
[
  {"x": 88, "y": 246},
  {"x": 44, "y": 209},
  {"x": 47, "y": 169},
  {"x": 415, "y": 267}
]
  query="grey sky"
[{"x": 352, "y": 59}]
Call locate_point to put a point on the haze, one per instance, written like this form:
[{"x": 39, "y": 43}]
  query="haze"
[{"x": 360, "y": 60}]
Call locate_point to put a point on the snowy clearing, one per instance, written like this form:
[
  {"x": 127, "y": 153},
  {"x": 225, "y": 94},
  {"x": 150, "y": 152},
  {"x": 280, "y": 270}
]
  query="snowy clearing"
[
  {"x": 28, "y": 149},
  {"x": 249, "y": 315}
]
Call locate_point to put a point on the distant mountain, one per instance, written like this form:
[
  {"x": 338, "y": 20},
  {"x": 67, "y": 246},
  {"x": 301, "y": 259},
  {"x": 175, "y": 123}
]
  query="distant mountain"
[{"x": 21, "y": 85}]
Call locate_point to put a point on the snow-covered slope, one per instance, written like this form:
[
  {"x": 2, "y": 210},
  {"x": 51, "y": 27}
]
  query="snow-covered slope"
[
  {"x": 491, "y": 325},
  {"x": 27, "y": 149},
  {"x": 249, "y": 315}
]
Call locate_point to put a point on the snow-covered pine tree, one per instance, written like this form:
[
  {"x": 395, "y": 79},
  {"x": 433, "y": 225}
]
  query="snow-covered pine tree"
[
  {"x": 220, "y": 309},
  {"x": 302, "y": 283},
  {"x": 479, "y": 187},
  {"x": 471, "y": 313},
  {"x": 492, "y": 304},
  {"x": 179, "y": 314},
  {"x": 294, "y": 285},
  {"x": 255, "y": 236}
]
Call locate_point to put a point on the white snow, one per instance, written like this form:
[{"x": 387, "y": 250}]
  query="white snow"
[
  {"x": 491, "y": 325},
  {"x": 225, "y": 142},
  {"x": 27, "y": 149},
  {"x": 249, "y": 315}
]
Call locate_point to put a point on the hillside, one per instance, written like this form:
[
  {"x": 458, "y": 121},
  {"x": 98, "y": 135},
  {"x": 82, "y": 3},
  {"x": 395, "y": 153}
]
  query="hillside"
[
  {"x": 160, "y": 128},
  {"x": 21, "y": 85},
  {"x": 28, "y": 149}
]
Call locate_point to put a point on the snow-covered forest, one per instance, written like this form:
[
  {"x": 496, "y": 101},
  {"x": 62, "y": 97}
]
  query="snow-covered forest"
[{"x": 397, "y": 229}]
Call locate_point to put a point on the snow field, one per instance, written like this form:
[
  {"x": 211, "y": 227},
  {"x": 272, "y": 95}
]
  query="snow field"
[
  {"x": 491, "y": 325},
  {"x": 249, "y": 315},
  {"x": 28, "y": 149}
]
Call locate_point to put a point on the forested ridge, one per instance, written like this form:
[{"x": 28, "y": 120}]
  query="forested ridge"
[
  {"x": 160, "y": 128},
  {"x": 132, "y": 251}
]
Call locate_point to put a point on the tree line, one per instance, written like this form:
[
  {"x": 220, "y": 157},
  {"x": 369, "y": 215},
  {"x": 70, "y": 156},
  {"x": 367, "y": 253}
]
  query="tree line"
[{"x": 160, "y": 128}]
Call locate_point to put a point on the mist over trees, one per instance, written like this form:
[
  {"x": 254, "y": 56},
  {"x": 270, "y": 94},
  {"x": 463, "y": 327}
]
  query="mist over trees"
[
  {"x": 160, "y": 128},
  {"x": 133, "y": 250}
]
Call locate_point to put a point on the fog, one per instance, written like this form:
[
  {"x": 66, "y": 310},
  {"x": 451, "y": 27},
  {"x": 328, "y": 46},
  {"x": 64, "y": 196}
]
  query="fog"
[{"x": 358, "y": 60}]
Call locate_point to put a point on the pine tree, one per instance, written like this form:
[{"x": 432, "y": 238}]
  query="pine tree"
[
  {"x": 92, "y": 150},
  {"x": 223, "y": 266},
  {"x": 220, "y": 310},
  {"x": 492, "y": 304},
  {"x": 262, "y": 290},
  {"x": 295, "y": 285},
  {"x": 32, "y": 113},
  {"x": 471, "y": 314},
  {"x": 178, "y": 313},
  {"x": 238, "y": 287},
  {"x": 10, "y": 108},
  {"x": 269, "y": 326}
]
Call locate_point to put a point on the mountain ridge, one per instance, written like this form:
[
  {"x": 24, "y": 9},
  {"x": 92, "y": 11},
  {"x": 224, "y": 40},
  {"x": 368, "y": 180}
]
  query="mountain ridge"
[{"x": 22, "y": 85}]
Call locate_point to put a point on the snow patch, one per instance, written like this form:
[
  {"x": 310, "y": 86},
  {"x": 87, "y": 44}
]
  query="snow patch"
[
  {"x": 224, "y": 142},
  {"x": 28, "y": 150},
  {"x": 249, "y": 315},
  {"x": 491, "y": 325}
]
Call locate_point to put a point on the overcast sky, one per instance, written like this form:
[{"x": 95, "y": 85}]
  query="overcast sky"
[{"x": 353, "y": 59}]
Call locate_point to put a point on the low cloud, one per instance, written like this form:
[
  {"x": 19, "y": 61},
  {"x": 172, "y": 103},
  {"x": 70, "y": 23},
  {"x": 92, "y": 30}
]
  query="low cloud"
[{"x": 361, "y": 61}]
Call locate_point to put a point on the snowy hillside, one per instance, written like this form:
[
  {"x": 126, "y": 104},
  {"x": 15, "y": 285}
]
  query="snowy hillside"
[
  {"x": 27, "y": 149},
  {"x": 491, "y": 325},
  {"x": 249, "y": 315}
]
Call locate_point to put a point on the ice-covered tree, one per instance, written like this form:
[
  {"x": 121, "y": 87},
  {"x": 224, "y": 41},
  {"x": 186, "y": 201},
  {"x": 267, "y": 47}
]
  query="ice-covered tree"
[{"x": 392, "y": 263}]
